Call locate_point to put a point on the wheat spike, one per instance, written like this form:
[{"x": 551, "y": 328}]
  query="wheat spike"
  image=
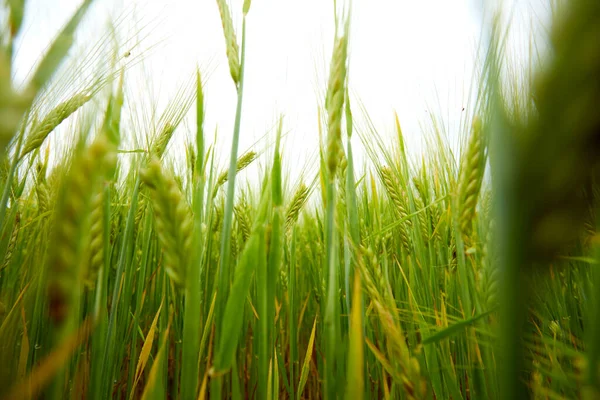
[
  {"x": 298, "y": 201},
  {"x": 396, "y": 196},
  {"x": 174, "y": 223},
  {"x": 399, "y": 202},
  {"x": 335, "y": 103},
  {"x": 422, "y": 217},
  {"x": 242, "y": 162},
  {"x": 70, "y": 221},
  {"x": 162, "y": 140},
  {"x": 231, "y": 45},
  {"x": 41, "y": 189},
  {"x": 243, "y": 219},
  {"x": 54, "y": 118},
  {"x": 471, "y": 176}
]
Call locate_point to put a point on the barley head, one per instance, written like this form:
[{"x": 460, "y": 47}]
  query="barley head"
[
  {"x": 174, "y": 223},
  {"x": 298, "y": 201},
  {"x": 70, "y": 216},
  {"x": 231, "y": 45},
  {"x": 471, "y": 176},
  {"x": 399, "y": 202},
  {"x": 335, "y": 103},
  {"x": 54, "y": 118},
  {"x": 162, "y": 140},
  {"x": 242, "y": 162},
  {"x": 243, "y": 219}
]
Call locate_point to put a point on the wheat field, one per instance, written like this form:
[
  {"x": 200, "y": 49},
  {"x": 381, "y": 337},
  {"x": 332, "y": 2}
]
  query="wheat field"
[{"x": 128, "y": 274}]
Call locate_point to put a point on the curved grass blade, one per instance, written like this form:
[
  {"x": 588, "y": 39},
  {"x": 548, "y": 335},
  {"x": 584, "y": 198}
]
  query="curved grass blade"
[
  {"x": 455, "y": 328},
  {"x": 306, "y": 364}
]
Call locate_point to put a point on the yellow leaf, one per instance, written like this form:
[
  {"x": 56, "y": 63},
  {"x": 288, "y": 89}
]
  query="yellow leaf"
[
  {"x": 152, "y": 376},
  {"x": 270, "y": 381},
  {"x": 307, "y": 358},
  {"x": 145, "y": 353},
  {"x": 355, "y": 378},
  {"x": 202, "y": 395}
]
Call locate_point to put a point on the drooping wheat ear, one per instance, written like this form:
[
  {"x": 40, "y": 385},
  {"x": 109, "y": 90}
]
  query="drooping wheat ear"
[
  {"x": 71, "y": 218},
  {"x": 298, "y": 201},
  {"x": 54, "y": 118},
  {"x": 471, "y": 176},
  {"x": 162, "y": 140},
  {"x": 242, "y": 162},
  {"x": 243, "y": 219},
  {"x": 399, "y": 201},
  {"x": 335, "y": 103},
  {"x": 12, "y": 243},
  {"x": 173, "y": 217},
  {"x": 231, "y": 45}
]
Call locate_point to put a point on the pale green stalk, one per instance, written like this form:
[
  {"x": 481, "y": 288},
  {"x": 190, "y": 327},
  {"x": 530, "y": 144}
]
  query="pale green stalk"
[
  {"x": 223, "y": 274},
  {"x": 193, "y": 290}
]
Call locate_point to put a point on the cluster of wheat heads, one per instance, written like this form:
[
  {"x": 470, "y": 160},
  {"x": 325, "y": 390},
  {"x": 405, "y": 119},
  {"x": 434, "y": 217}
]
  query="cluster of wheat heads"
[{"x": 128, "y": 274}]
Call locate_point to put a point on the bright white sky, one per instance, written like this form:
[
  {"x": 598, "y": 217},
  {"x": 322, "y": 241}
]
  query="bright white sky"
[{"x": 411, "y": 56}]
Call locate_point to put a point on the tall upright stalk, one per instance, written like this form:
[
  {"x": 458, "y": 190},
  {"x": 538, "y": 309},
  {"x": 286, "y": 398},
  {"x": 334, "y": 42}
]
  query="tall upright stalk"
[
  {"x": 193, "y": 288},
  {"x": 223, "y": 279}
]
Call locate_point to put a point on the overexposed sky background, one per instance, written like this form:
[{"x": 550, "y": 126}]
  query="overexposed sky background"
[{"x": 409, "y": 56}]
